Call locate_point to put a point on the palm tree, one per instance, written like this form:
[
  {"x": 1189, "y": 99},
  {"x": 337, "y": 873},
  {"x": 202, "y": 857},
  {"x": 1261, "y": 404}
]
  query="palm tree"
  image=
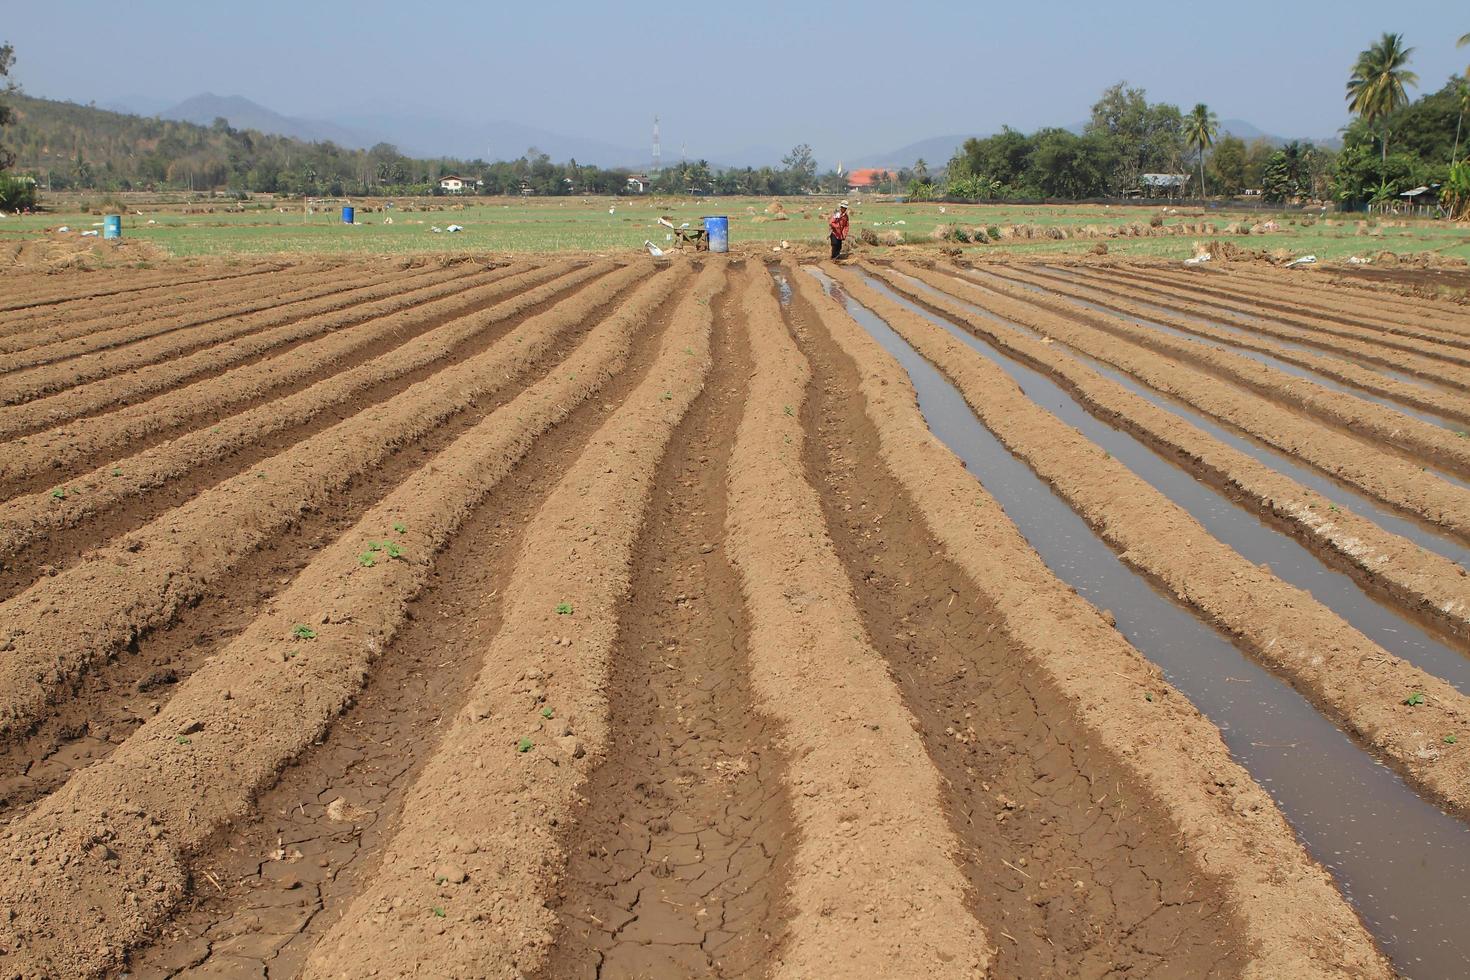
[
  {"x": 1200, "y": 129},
  {"x": 1376, "y": 88}
]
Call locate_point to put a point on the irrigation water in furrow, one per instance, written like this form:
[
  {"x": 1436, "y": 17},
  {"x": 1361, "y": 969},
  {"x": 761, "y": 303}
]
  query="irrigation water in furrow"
[
  {"x": 1326, "y": 313},
  {"x": 1414, "y": 440},
  {"x": 1228, "y": 521},
  {"x": 1401, "y": 329},
  {"x": 1396, "y": 365},
  {"x": 1405, "y": 525},
  {"x": 673, "y": 867},
  {"x": 1080, "y": 298},
  {"x": 1398, "y": 478},
  {"x": 1101, "y": 883},
  {"x": 1401, "y": 861},
  {"x": 337, "y": 805}
]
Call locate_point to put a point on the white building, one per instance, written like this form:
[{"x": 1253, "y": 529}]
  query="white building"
[{"x": 452, "y": 184}]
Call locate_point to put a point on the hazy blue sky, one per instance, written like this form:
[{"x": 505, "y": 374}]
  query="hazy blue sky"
[{"x": 850, "y": 78}]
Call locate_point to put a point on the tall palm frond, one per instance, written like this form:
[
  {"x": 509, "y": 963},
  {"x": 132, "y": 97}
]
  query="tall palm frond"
[
  {"x": 1379, "y": 82},
  {"x": 1200, "y": 129}
]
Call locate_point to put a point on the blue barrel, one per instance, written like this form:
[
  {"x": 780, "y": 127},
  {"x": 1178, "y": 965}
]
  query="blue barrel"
[
  {"x": 718, "y": 230},
  {"x": 348, "y": 214},
  {"x": 112, "y": 226}
]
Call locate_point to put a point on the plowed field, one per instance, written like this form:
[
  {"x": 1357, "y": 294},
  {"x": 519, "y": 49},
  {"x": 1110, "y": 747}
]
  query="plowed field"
[{"x": 590, "y": 617}]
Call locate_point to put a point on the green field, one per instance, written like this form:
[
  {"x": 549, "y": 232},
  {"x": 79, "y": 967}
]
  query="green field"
[{"x": 610, "y": 225}]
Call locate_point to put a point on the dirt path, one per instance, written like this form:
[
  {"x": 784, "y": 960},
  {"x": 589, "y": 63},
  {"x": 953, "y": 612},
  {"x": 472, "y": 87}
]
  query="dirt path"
[
  {"x": 1286, "y": 902},
  {"x": 674, "y": 868},
  {"x": 269, "y": 912}
]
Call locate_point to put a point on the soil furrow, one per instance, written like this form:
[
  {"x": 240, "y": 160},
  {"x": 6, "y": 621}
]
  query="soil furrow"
[
  {"x": 1287, "y": 902},
  {"x": 190, "y": 303},
  {"x": 133, "y": 387},
  {"x": 1064, "y": 850},
  {"x": 69, "y": 293},
  {"x": 874, "y": 886},
  {"x": 464, "y": 882},
  {"x": 215, "y": 308},
  {"x": 1423, "y": 372},
  {"x": 111, "y": 700},
  {"x": 1358, "y": 462},
  {"x": 1389, "y": 333},
  {"x": 1344, "y": 288},
  {"x": 1345, "y": 365},
  {"x": 337, "y": 805},
  {"x": 197, "y": 765},
  {"x": 674, "y": 866},
  {"x": 50, "y": 324},
  {"x": 46, "y": 459},
  {"x": 31, "y": 383},
  {"x": 61, "y": 627},
  {"x": 1415, "y": 439},
  {"x": 40, "y": 531},
  {"x": 1353, "y": 680},
  {"x": 1426, "y": 585}
]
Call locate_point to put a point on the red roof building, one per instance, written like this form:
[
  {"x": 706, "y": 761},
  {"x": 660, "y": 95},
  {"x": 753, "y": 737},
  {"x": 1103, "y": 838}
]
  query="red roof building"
[{"x": 858, "y": 180}]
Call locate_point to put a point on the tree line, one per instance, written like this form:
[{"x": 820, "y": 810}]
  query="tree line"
[{"x": 1392, "y": 145}]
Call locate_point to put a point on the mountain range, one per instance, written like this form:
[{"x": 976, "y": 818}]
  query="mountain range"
[{"x": 429, "y": 136}]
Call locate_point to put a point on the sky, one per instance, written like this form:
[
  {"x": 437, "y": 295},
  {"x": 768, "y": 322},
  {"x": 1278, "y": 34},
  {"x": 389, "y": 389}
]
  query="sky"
[{"x": 850, "y": 78}]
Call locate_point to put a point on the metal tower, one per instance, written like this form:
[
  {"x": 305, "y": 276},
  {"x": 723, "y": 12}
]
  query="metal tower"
[{"x": 655, "y": 145}]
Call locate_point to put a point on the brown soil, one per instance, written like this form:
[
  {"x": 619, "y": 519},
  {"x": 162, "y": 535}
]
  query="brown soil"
[
  {"x": 674, "y": 867},
  {"x": 604, "y": 618},
  {"x": 1071, "y": 879},
  {"x": 267, "y": 913}
]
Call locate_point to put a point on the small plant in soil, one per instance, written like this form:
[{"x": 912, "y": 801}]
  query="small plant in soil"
[
  {"x": 667, "y": 396},
  {"x": 303, "y": 632},
  {"x": 366, "y": 559},
  {"x": 58, "y": 494},
  {"x": 399, "y": 527},
  {"x": 547, "y": 712},
  {"x": 375, "y": 546},
  {"x": 116, "y": 471},
  {"x": 787, "y": 409},
  {"x": 393, "y": 550},
  {"x": 438, "y": 912},
  {"x": 1450, "y": 739},
  {"x": 182, "y": 739},
  {"x": 1414, "y": 700},
  {"x": 563, "y": 608},
  {"x": 524, "y": 745}
]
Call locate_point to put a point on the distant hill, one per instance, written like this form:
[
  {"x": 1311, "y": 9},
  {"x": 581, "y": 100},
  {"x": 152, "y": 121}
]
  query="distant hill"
[{"x": 242, "y": 113}]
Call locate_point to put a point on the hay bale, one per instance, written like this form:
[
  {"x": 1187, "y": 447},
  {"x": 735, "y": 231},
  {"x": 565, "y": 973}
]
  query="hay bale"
[
  {"x": 1101, "y": 248},
  {"x": 941, "y": 233},
  {"x": 869, "y": 236},
  {"x": 891, "y": 238},
  {"x": 776, "y": 207}
]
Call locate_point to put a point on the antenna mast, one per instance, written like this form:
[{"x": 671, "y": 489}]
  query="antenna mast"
[{"x": 655, "y": 145}]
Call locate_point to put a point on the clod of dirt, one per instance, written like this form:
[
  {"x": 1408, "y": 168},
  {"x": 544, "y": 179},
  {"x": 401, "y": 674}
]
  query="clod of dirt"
[{"x": 340, "y": 811}]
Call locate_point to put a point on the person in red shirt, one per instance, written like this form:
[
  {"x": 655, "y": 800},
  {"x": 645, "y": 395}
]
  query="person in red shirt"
[{"x": 838, "y": 224}]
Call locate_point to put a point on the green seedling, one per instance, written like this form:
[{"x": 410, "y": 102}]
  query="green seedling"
[
  {"x": 1333, "y": 508},
  {"x": 366, "y": 559},
  {"x": 524, "y": 745},
  {"x": 374, "y": 546},
  {"x": 116, "y": 471},
  {"x": 215, "y": 429},
  {"x": 260, "y": 476},
  {"x": 303, "y": 632},
  {"x": 667, "y": 396},
  {"x": 438, "y": 912},
  {"x": 399, "y": 527},
  {"x": 689, "y": 351},
  {"x": 563, "y": 608},
  {"x": 1450, "y": 739},
  {"x": 1148, "y": 696},
  {"x": 1414, "y": 700},
  {"x": 787, "y": 410},
  {"x": 58, "y": 494},
  {"x": 393, "y": 550},
  {"x": 182, "y": 739},
  {"x": 1462, "y": 433},
  {"x": 546, "y": 712}
]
